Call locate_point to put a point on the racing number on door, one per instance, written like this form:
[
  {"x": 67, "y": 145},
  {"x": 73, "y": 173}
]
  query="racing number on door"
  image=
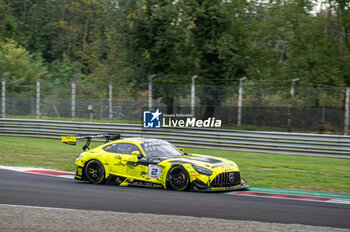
[{"x": 154, "y": 171}]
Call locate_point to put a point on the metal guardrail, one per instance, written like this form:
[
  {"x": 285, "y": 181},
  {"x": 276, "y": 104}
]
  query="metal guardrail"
[{"x": 254, "y": 141}]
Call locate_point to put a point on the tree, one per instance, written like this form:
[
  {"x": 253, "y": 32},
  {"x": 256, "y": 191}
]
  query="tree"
[
  {"x": 218, "y": 41},
  {"x": 342, "y": 9},
  {"x": 290, "y": 40},
  {"x": 155, "y": 36},
  {"x": 23, "y": 67}
]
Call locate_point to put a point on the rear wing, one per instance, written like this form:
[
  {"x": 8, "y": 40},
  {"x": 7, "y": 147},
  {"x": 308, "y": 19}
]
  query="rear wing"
[{"x": 72, "y": 140}]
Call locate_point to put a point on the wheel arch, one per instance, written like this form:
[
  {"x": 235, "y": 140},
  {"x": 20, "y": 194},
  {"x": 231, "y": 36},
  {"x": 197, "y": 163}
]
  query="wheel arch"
[{"x": 172, "y": 166}]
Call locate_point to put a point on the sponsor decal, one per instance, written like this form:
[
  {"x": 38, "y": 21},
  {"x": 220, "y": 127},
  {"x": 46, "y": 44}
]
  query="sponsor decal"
[
  {"x": 145, "y": 184},
  {"x": 195, "y": 175},
  {"x": 154, "y": 143},
  {"x": 155, "y": 119},
  {"x": 154, "y": 171}
]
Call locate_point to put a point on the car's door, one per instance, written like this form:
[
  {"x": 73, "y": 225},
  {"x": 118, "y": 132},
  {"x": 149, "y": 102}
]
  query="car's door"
[
  {"x": 123, "y": 162},
  {"x": 132, "y": 167},
  {"x": 116, "y": 165}
]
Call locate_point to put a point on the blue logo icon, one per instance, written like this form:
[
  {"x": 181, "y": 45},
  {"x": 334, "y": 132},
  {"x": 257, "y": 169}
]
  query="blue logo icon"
[{"x": 151, "y": 119}]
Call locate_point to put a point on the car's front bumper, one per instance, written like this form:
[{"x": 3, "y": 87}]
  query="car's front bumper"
[
  {"x": 199, "y": 186},
  {"x": 79, "y": 174}
]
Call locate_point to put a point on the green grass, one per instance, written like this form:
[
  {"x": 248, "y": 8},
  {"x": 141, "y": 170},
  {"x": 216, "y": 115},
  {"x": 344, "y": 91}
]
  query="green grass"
[{"x": 264, "y": 170}]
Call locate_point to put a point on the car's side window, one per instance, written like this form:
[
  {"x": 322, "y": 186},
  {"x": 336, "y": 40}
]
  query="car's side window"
[
  {"x": 129, "y": 148},
  {"x": 111, "y": 148},
  {"x": 122, "y": 148}
]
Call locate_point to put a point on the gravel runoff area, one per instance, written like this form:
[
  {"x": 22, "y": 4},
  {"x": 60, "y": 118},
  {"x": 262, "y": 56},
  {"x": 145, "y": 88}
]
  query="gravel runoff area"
[{"x": 27, "y": 218}]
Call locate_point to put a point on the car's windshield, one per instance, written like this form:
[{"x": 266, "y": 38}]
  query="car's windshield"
[{"x": 160, "y": 148}]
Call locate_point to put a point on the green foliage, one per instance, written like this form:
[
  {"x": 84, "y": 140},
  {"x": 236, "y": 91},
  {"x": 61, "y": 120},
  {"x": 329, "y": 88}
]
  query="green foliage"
[
  {"x": 17, "y": 60},
  {"x": 217, "y": 40},
  {"x": 290, "y": 40},
  {"x": 61, "y": 73},
  {"x": 156, "y": 42},
  {"x": 22, "y": 66},
  {"x": 177, "y": 40}
]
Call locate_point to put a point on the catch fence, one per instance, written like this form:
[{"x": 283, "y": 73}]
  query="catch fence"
[{"x": 320, "y": 110}]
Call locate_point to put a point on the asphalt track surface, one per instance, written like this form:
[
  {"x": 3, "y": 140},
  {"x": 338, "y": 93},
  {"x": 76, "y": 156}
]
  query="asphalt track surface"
[{"x": 37, "y": 190}]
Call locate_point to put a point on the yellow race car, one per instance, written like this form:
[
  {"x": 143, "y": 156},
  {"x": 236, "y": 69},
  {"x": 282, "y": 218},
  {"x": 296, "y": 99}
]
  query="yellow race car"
[{"x": 153, "y": 163}]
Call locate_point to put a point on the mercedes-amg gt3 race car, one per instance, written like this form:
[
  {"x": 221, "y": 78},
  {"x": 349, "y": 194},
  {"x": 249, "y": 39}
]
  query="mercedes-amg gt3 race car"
[{"x": 153, "y": 163}]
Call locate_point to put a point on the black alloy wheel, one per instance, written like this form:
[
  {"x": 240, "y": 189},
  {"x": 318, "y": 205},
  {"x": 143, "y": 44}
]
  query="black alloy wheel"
[
  {"x": 95, "y": 172},
  {"x": 178, "y": 178}
]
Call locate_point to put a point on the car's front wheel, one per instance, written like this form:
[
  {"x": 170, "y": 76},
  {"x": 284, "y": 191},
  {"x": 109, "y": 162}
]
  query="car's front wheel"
[
  {"x": 178, "y": 178},
  {"x": 95, "y": 172}
]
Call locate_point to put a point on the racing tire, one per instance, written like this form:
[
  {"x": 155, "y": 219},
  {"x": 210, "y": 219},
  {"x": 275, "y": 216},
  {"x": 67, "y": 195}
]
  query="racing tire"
[
  {"x": 178, "y": 178},
  {"x": 95, "y": 172}
]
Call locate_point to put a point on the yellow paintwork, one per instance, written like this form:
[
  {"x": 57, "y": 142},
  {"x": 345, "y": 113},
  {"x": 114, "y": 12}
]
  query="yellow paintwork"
[
  {"x": 127, "y": 166},
  {"x": 69, "y": 140}
]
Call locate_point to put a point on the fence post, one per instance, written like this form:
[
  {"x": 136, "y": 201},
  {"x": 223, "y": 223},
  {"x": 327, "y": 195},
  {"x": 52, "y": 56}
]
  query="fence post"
[
  {"x": 193, "y": 96},
  {"x": 14, "y": 106},
  {"x": 110, "y": 99},
  {"x": 150, "y": 92},
  {"x": 240, "y": 96},
  {"x": 38, "y": 95},
  {"x": 346, "y": 116},
  {"x": 3, "y": 93},
  {"x": 32, "y": 110},
  {"x": 291, "y": 99},
  {"x": 73, "y": 96}
]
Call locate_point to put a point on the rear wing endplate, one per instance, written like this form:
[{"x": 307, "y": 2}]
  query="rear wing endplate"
[{"x": 72, "y": 140}]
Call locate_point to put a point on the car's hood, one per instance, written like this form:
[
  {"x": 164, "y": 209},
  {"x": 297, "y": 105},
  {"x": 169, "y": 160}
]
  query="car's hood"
[{"x": 201, "y": 160}]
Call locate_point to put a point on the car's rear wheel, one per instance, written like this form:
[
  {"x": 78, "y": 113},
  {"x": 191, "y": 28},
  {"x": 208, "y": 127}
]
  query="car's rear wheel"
[
  {"x": 178, "y": 178},
  {"x": 95, "y": 172}
]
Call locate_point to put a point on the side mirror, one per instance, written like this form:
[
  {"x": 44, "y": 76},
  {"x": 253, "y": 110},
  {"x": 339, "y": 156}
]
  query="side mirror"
[
  {"x": 181, "y": 149},
  {"x": 137, "y": 153}
]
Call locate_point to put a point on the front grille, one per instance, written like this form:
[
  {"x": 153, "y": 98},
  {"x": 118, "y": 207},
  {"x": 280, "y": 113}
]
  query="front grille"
[{"x": 226, "y": 179}]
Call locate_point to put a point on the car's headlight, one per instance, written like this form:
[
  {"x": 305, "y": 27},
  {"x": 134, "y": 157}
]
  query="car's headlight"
[
  {"x": 81, "y": 156},
  {"x": 202, "y": 170}
]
